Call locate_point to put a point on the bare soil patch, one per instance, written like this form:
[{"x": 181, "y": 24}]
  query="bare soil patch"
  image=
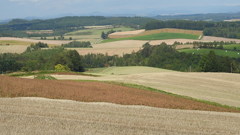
[{"x": 97, "y": 92}]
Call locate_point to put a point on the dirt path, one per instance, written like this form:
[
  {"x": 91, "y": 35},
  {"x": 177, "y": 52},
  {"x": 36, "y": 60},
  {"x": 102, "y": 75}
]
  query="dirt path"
[
  {"x": 45, "y": 116},
  {"x": 222, "y": 88}
]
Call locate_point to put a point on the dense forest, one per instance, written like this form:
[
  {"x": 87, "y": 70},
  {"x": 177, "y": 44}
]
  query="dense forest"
[
  {"x": 40, "y": 60},
  {"x": 219, "y": 29},
  {"x": 161, "y": 56}
]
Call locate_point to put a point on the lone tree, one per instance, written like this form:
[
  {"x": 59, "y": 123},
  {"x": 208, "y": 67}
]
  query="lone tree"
[{"x": 104, "y": 36}]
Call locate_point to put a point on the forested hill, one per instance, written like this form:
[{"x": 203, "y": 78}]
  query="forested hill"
[
  {"x": 72, "y": 22},
  {"x": 201, "y": 17}
]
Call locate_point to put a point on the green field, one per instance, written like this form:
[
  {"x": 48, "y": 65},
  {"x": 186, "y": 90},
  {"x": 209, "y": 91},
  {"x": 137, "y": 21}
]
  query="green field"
[
  {"x": 125, "y": 70},
  {"x": 231, "y": 47},
  {"x": 158, "y": 36},
  {"x": 218, "y": 52}
]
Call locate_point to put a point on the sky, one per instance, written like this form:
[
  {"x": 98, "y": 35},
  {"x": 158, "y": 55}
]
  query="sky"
[{"x": 10, "y": 9}]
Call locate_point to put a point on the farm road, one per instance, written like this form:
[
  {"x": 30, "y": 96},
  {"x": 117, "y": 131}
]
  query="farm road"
[{"x": 45, "y": 116}]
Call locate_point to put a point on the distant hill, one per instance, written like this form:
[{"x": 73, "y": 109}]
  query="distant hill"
[
  {"x": 72, "y": 22},
  {"x": 201, "y": 17}
]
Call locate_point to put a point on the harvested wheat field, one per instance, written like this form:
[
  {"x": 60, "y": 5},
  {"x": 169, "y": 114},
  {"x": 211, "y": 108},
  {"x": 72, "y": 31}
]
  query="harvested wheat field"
[
  {"x": 12, "y": 48},
  {"x": 221, "y": 88},
  {"x": 50, "y": 42},
  {"x": 212, "y": 39},
  {"x": 46, "y": 116},
  {"x": 125, "y": 34},
  {"x": 113, "y": 48},
  {"x": 97, "y": 92}
]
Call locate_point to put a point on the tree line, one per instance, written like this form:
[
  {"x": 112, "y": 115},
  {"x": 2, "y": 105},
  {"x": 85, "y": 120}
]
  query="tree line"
[
  {"x": 38, "y": 59},
  {"x": 161, "y": 56},
  {"x": 167, "y": 57}
]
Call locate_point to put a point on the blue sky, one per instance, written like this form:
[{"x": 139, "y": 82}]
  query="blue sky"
[{"x": 52, "y": 8}]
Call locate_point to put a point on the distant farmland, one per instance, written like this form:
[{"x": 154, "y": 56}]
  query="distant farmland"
[{"x": 159, "y": 34}]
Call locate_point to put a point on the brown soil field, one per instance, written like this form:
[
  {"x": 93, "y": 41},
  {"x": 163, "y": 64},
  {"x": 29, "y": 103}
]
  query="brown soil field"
[
  {"x": 41, "y": 116},
  {"x": 149, "y": 32},
  {"x": 12, "y": 48},
  {"x": 211, "y": 39},
  {"x": 97, "y": 92},
  {"x": 50, "y": 42}
]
